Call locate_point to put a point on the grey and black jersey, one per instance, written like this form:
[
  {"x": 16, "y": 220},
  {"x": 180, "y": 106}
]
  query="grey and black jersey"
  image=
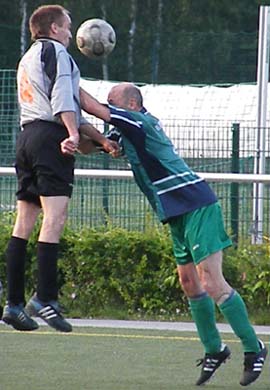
[{"x": 48, "y": 83}]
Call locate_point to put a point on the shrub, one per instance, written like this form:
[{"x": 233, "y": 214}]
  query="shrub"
[
  {"x": 253, "y": 274},
  {"x": 112, "y": 270},
  {"x": 120, "y": 268}
]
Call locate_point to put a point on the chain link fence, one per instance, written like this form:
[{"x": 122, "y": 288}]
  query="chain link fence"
[{"x": 230, "y": 148}]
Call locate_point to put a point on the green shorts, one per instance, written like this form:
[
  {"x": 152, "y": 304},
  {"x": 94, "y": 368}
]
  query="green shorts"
[{"x": 198, "y": 234}]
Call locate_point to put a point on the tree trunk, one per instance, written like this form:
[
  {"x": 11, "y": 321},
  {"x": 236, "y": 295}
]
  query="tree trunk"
[
  {"x": 156, "y": 45},
  {"x": 132, "y": 31},
  {"x": 23, "y": 11},
  {"x": 105, "y": 69}
]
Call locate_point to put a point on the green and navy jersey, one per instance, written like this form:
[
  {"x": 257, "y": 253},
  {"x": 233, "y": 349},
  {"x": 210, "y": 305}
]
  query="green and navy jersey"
[{"x": 171, "y": 187}]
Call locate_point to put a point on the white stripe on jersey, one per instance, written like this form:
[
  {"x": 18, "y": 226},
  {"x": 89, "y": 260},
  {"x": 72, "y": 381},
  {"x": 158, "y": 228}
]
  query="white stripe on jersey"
[
  {"x": 172, "y": 177},
  {"x": 179, "y": 186},
  {"x": 124, "y": 119}
]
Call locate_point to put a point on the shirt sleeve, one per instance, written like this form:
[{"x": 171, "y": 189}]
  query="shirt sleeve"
[
  {"x": 123, "y": 119},
  {"x": 62, "y": 93}
]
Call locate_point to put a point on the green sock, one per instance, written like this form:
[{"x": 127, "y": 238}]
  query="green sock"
[
  {"x": 235, "y": 312},
  {"x": 203, "y": 313}
]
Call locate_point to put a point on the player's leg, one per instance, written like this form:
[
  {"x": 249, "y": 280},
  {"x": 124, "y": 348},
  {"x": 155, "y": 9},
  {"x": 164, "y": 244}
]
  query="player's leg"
[
  {"x": 28, "y": 208},
  {"x": 53, "y": 184},
  {"x": 27, "y": 213},
  {"x": 14, "y": 313},
  {"x": 54, "y": 218},
  {"x": 234, "y": 310},
  {"x": 55, "y": 214},
  {"x": 202, "y": 307},
  {"x": 201, "y": 304},
  {"x": 45, "y": 302},
  {"x": 228, "y": 300}
]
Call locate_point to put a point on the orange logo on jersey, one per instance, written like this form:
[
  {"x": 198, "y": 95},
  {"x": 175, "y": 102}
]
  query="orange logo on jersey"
[{"x": 25, "y": 88}]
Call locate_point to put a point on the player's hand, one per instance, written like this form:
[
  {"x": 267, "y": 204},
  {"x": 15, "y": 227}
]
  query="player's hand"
[
  {"x": 70, "y": 145},
  {"x": 111, "y": 147}
]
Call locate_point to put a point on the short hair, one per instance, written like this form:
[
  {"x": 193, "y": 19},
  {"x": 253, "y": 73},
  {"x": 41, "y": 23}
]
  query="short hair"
[
  {"x": 132, "y": 92},
  {"x": 42, "y": 18}
]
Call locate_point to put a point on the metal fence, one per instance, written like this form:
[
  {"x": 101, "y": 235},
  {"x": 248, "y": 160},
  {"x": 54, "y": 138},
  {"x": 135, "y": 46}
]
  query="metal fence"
[{"x": 207, "y": 146}]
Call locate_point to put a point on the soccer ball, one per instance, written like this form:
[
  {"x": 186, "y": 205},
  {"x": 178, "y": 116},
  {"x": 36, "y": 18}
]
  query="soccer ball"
[{"x": 95, "y": 38}]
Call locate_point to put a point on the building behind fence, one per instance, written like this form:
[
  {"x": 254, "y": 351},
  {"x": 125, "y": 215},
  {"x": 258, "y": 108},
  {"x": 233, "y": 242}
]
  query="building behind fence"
[{"x": 213, "y": 128}]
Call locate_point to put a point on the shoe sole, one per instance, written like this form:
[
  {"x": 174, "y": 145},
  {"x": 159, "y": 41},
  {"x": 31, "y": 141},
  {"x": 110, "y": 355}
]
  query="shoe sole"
[{"x": 17, "y": 325}]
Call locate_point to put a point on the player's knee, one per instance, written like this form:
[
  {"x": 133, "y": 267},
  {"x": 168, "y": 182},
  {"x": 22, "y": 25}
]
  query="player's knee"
[
  {"x": 54, "y": 222},
  {"x": 210, "y": 287},
  {"x": 218, "y": 291},
  {"x": 189, "y": 285}
]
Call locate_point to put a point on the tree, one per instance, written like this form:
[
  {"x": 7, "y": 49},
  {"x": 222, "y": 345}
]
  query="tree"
[
  {"x": 180, "y": 41},
  {"x": 156, "y": 44},
  {"x": 23, "y": 12},
  {"x": 132, "y": 32}
]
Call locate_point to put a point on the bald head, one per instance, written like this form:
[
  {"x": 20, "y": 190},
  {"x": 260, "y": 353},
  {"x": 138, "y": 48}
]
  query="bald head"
[{"x": 127, "y": 96}]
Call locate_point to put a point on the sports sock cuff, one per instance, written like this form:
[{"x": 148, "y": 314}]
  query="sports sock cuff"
[
  {"x": 232, "y": 295},
  {"x": 197, "y": 297},
  {"x": 43, "y": 244},
  {"x": 18, "y": 241}
]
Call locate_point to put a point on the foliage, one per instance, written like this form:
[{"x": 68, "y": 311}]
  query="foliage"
[
  {"x": 200, "y": 42},
  {"x": 112, "y": 270},
  {"x": 120, "y": 268},
  {"x": 5, "y": 232},
  {"x": 252, "y": 262}
]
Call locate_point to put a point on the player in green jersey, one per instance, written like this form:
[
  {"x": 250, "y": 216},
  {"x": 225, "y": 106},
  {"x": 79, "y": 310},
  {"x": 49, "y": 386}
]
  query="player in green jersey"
[{"x": 186, "y": 202}]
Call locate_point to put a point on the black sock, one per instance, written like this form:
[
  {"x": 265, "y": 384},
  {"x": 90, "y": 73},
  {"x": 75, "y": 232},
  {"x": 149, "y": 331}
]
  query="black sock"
[
  {"x": 15, "y": 257},
  {"x": 47, "y": 254}
]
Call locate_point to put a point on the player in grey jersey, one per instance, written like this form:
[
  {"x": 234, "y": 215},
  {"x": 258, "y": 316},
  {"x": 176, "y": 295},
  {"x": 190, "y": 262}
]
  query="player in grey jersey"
[
  {"x": 50, "y": 112},
  {"x": 189, "y": 206}
]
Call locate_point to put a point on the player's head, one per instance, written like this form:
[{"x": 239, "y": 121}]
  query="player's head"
[
  {"x": 127, "y": 96},
  {"x": 51, "y": 21}
]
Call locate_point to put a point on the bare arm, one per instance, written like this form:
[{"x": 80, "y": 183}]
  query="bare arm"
[
  {"x": 69, "y": 120},
  {"x": 69, "y": 145},
  {"x": 91, "y": 138},
  {"x": 91, "y": 132},
  {"x": 92, "y": 106}
]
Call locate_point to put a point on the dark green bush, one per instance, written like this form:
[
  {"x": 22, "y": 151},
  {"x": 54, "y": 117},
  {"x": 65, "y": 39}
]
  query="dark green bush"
[
  {"x": 119, "y": 268},
  {"x": 112, "y": 270},
  {"x": 5, "y": 232},
  {"x": 253, "y": 274}
]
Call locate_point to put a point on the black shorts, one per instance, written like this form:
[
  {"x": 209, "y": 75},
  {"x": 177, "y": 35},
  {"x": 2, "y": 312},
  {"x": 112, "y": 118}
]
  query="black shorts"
[{"x": 42, "y": 169}]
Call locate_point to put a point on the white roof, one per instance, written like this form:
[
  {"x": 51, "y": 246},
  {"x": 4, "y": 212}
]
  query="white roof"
[{"x": 209, "y": 111}]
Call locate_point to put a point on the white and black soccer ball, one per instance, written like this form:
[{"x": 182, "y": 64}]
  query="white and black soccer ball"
[{"x": 95, "y": 38}]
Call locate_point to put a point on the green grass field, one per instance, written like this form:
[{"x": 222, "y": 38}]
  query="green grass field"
[{"x": 115, "y": 359}]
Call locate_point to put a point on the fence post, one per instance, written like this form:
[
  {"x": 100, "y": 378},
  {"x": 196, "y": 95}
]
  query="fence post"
[
  {"x": 235, "y": 186},
  {"x": 105, "y": 182}
]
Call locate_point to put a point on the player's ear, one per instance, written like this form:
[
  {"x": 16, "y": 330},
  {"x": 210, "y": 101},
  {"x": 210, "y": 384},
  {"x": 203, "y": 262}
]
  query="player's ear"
[
  {"x": 132, "y": 104},
  {"x": 54, "y": 28}
]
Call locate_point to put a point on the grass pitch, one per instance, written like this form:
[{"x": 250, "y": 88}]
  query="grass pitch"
[{"x": 112, "y": 359}]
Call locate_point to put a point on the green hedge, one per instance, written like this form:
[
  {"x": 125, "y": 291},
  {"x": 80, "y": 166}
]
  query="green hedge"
[{"x": 116, "y": 272}]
